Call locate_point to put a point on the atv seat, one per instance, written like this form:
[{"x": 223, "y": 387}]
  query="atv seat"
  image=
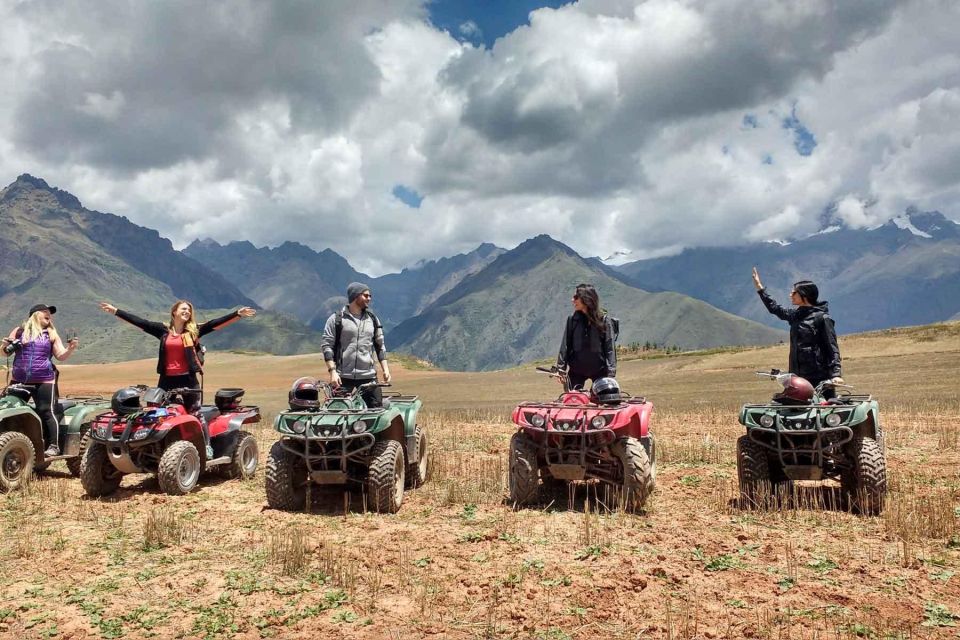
[
  {"x": 20, "y": 392},
  {"x": 65, "y": 403},
  {"x": 385, "y": 404},
  {"x": 228, "y": 398}
]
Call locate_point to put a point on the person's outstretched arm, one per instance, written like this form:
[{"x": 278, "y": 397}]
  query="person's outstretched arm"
[
  {"x": 156, "y": 329},
  {"x": 219, "y": 323},
  {"x": 769, "y": 302}
]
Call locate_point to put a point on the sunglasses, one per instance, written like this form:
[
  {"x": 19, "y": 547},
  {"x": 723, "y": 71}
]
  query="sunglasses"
[
  {"x": 366, "y": 295},
  {"x": 576, "y": 296}
]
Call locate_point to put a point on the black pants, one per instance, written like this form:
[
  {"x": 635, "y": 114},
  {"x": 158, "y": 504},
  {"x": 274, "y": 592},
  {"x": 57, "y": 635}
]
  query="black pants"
[
  {"x": 191, "y": 401},
  {"x": 44, "y": 396},
  {"x": 372, "y": 396},
  {"x": 578, "y": 379}
]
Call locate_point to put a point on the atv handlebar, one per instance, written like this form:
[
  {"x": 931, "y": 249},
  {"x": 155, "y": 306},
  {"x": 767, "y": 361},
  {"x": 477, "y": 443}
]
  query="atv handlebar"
[{"x": 559, "y": 374}]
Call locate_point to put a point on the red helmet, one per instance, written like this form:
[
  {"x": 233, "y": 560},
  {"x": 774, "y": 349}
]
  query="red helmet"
[
  {"x": 796, "y": 390},
  {"x": 304, "y": 394}
]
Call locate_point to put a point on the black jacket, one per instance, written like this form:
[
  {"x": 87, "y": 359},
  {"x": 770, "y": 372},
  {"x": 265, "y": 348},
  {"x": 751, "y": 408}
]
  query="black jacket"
[
  {"x": 585, "y": 350},
  {"x": 160, "y": 331},
  {"x": 814, "y": 353}
]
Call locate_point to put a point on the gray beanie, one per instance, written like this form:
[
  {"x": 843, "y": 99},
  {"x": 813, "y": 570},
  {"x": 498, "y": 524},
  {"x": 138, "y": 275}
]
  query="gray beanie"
[{"x": 354, "y": 289}]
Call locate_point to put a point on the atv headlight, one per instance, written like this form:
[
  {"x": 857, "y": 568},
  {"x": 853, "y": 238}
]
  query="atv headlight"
[
  {"x": 328, "y": 431},
  {"x": 360, "y": 426},
  {"x": 565, "y": 426},
  {"x": 833, "y": 420},
  {"x": 101, "y": 431},
  {"x": 766, "y": 420},
  {"x": 598, "y": 422},
  {"x": 140, "y": 434},
  {"x": 538, "y": 420},
  {"x": 299, "y": 426}
]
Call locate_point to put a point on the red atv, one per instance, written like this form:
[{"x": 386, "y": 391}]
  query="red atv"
[
  {"x": 601, "y": 434},
  {"x": 148, "y": 430}
]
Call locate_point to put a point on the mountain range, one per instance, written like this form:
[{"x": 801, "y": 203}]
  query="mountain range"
[
  {"x": 54, "y": 251},
  {"x": 485, "y": 309},
  {"x": 904, "y": 272}
]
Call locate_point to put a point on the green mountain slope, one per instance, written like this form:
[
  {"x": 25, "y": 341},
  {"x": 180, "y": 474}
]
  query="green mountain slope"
[
  {"x": 513, "y": 311},
  {"x": 54, "y": 251}
]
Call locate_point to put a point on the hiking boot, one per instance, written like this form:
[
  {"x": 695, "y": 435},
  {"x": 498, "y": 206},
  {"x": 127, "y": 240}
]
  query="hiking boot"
[{"x": 52, "y": 450}]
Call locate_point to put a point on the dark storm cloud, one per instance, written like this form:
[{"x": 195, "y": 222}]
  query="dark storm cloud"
[
  {"x": 607, "y": 83},
  {"x": 134, "y": 86}
]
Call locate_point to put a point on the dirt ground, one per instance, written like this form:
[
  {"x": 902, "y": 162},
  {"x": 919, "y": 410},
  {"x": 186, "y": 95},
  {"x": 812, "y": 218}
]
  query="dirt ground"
[{"x": 458, "y": 561}]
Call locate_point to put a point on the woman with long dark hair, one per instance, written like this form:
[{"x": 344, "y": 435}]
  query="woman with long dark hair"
[
  {"x": 34, "y": 345},
  {"x": 587, "y": 350}
]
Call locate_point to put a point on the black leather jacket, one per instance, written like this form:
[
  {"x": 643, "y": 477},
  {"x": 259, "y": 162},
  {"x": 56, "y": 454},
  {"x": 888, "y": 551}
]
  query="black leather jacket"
[
  {"x": 585, "y": 350},
  {"x": 814, "y": 353}
]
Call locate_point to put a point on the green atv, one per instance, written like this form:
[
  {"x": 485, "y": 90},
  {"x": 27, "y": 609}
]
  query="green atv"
[
  {"x": 21, "y": 434},
  {"x": 802, "y": 435},
  {"x": 339, "y": 440}
]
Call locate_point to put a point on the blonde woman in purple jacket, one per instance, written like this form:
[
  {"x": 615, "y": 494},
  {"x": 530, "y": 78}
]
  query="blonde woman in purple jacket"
[{"x": 34, "y": 345}]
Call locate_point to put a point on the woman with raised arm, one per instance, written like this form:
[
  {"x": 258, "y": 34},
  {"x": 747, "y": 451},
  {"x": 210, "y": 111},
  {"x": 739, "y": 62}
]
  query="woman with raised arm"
[
  {"x": 587, "y": 349},
  {"x": 180, "y": 358},
  {"x": 33, "y": 345},
  {"x": 814, "y": 353}
]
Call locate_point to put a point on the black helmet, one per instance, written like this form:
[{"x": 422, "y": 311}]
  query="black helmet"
[
  {"x": 125, "y": 401},
  {"x": 304, "y": 394},
  {"x": 606, "y": 391}
]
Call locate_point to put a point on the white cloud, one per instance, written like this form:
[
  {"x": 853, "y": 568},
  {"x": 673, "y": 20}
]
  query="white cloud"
[{"x": 608, "y": 124}]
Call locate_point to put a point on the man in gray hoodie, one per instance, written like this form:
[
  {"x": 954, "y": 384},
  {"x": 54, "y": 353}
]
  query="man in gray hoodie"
[{"x": 352, "y": 337}]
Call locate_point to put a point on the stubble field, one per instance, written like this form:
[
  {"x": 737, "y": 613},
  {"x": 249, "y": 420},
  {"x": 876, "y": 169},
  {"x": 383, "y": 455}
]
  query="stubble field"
[{"x": 458, "y": 561}]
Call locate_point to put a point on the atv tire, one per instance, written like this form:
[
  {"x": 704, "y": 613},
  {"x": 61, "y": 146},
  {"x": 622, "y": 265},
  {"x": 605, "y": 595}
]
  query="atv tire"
[
  {"x": 244, "y": 460},
  {"x": 17, "y": 458},
  {"x": 73, "y": 464},
  {"x": 417, "y": 471},
  {"x": 285, "y": 479},
  {"x": 385, "y": 478},
  {"x": 639, "y": 472},
  {"x": 179, "y": 468},
  {"x": 864, "y": 483},
  {"x": 98, "y": 476},
  {"x": 753, "y": 473},
  {"x": 524, "y": 472}
]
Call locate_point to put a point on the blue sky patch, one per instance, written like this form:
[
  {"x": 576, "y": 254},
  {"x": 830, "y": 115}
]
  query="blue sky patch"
[
  {"x": 481, "y": 22},
  {"x": 407, "y": 196},
  {"x": 803, "y": 139}
]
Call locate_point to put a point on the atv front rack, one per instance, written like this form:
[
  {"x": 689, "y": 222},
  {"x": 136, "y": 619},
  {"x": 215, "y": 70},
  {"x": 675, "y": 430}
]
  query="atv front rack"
[{"x": 329, "y": 465}]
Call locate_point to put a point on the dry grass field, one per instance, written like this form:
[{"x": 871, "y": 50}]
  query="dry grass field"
[{"x": 457, "y": 561}]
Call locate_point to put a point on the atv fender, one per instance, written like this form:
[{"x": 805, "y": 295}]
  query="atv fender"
[
  {"x": 24, "y": 420},
  {"x": 232, "y": 422},
  {"x": 185, "y": 427},
  {"x": 395, "y": 431}
]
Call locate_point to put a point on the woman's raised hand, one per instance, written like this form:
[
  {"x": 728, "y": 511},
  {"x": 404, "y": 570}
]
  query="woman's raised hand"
[
  {"x": 246, "y": 312},
  {"x": 107, "y": 307},
  {"x": 756, "y": 280}
]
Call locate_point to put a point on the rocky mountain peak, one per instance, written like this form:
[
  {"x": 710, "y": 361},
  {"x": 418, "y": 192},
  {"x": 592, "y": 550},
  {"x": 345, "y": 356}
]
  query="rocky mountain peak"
[
  {"x": 933, "y": 224},
  {"x": 25, "y": 185}
]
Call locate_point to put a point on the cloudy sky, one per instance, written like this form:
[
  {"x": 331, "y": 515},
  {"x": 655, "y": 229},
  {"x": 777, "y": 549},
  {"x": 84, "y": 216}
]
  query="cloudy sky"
[{"x": 397, "y": 130}]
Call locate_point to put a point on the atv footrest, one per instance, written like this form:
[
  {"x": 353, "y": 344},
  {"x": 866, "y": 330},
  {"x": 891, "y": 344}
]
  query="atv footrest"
[
  {"x": 328, "y": 477},
  {"x": 567, "y": 471}
]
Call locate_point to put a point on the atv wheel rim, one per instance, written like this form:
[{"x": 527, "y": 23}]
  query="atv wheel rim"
[
  {"x": 13, "y": 464},
  {"x": 188, "y": 471},
  {"x": 248, "y": 458}
]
